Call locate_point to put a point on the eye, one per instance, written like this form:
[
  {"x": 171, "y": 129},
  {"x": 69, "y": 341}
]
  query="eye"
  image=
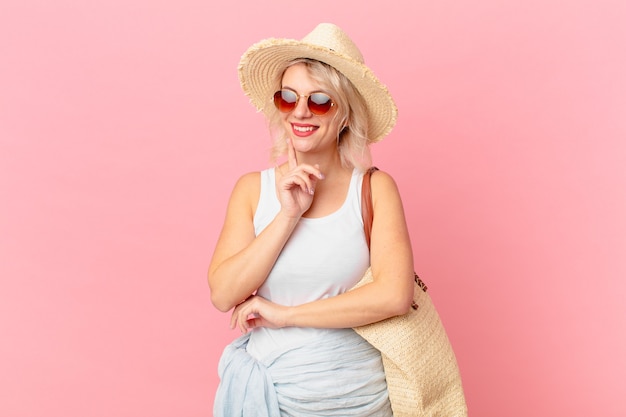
[
  {"x": 285, "y": 100},
  {"x": 320, "y": 98},
  {"x": 320, "y": 103},
  {"x": 288, "y": 96}
]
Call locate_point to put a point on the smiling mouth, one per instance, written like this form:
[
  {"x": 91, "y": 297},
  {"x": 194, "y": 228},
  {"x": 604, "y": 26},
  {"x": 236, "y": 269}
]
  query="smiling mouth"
[{"x": 303, "y": 129}]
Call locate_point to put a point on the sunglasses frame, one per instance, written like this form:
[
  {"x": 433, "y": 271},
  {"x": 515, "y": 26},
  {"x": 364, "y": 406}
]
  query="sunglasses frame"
[{"x": 278, "y": 96}]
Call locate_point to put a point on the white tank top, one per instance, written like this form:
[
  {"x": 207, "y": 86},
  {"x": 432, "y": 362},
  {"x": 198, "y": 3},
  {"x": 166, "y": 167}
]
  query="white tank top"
[{"x": 324, "y": 257}]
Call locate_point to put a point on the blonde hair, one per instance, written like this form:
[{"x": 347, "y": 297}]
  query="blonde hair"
[{"x": 351, "y": 113}]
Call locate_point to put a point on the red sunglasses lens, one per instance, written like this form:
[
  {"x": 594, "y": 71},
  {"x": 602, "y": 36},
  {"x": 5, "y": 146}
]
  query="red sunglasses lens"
[
  {"x": 285, "y": 100},
  {"x": 318, "y": 103}
]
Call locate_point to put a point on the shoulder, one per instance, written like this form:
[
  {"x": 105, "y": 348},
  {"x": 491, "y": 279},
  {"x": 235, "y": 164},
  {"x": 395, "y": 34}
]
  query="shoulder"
[
  {"x": 247, "y": 190},
  {"x": 249, "y": 181},
  {"x": 385, "y": 193},
  {"x": 383, "y": 183}
]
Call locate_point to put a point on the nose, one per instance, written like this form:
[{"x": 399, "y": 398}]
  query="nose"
[{"x": 302, "y": 108}]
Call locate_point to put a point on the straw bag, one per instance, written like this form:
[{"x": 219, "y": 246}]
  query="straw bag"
[{"x": 423, "y": 377}]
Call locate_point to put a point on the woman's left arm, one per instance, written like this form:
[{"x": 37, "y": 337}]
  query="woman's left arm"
[{"x": 390, "y": 294}]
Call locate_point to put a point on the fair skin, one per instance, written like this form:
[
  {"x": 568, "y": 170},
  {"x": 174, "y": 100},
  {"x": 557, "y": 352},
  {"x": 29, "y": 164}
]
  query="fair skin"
[{"x": 312, "y": 183}]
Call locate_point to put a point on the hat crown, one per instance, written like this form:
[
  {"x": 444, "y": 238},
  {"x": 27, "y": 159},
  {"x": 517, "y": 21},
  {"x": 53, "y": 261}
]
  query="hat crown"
[{"x": 332, "y": 37}]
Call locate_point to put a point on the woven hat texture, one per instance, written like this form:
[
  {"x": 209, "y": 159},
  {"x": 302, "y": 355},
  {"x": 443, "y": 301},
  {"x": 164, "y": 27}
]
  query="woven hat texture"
[
  {"x": 422, "y": 374},
  {"x": 260, "y": 65}
]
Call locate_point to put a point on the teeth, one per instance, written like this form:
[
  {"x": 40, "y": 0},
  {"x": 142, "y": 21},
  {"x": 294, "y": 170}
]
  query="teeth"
[{"x": 303, "y": 129}]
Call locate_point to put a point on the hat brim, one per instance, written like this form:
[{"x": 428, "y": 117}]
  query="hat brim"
[{"x": 260, "y": 64}]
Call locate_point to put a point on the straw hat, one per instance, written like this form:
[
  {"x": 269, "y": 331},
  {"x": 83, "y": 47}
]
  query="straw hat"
[{"x": 260, "y": 65}]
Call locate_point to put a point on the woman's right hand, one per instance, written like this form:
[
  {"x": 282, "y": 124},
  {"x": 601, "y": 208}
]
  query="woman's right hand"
[{"x": 296, "y": 188}]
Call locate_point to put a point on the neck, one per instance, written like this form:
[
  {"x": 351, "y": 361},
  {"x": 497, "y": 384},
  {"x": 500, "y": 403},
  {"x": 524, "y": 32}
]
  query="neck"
[{"x": 329, "y": 162}]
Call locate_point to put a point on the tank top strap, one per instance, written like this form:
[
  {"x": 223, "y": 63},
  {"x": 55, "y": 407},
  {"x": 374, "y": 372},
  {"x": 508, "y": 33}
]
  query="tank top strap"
[{"x": 268, "y": 205}]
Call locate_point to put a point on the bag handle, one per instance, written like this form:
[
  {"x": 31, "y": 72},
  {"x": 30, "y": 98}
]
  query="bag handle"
[{"x": 367, "y": 210}]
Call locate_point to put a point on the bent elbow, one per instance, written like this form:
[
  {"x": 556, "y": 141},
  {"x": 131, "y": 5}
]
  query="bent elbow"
[
  {"x": 404, "y": 308},
  {"x": 222, "y": 308},
  {"x": 401, "y": 305},
  {"x": 220, "y": 303},
  {"x": 218, "y": 298},
  {"x": 401, "y": 308}
]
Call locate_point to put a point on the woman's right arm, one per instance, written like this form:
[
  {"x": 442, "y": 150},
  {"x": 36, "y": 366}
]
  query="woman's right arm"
[{"x": 242, "y": 261}]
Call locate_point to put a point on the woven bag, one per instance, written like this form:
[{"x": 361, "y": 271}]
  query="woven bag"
[{"x": 423, "y": 377}]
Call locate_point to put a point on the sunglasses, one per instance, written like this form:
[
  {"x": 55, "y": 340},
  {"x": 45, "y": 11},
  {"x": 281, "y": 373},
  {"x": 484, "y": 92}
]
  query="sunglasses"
[{"x": 318, "y": 103}]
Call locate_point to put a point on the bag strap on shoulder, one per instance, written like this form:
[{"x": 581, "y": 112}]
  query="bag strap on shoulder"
[{"x": 367, "y": 209}]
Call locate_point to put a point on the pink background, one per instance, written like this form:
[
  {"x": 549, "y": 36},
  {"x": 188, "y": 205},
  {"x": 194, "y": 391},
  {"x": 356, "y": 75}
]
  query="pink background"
[{"x": 123, "y": 130}]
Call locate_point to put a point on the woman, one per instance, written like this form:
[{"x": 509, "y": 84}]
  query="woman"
[{"x": 292, "y": 244}]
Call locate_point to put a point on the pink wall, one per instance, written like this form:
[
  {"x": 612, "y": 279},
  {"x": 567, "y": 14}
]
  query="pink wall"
[{"x": 123, "y": 130}]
